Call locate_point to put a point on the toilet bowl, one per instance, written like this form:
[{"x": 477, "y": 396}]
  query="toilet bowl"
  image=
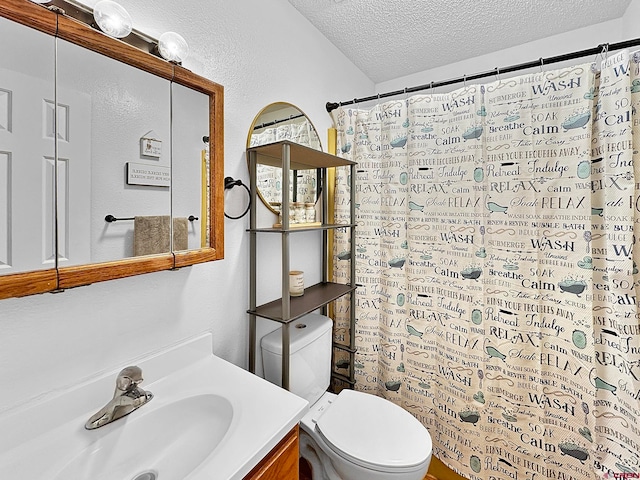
[
  {"x": 352, "y": 435},
  {"x": 356, "y": 435}
]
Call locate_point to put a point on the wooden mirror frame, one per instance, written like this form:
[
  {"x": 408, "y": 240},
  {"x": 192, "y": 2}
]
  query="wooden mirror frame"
[{"x": 57, "y": 24}]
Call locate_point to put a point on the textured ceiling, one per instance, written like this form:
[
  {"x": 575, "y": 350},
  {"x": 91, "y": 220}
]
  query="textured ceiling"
[{"x": 388, "y": 39}]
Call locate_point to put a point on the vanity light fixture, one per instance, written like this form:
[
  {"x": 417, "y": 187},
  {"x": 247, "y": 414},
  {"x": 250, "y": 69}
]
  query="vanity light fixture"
[
  {"x": 112, "y": 18},
  {"x": 173, "y": 47},
  {"x": 41, "y": 1}
]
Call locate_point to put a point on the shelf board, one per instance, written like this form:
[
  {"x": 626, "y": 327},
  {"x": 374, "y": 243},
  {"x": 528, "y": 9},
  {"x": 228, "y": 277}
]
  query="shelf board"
[
  {"x": 326, "y": 226},
  {"x": 314, "y": 297},
  {"x": 299, "y": 225},
  {"x": 271, "y": 154}
]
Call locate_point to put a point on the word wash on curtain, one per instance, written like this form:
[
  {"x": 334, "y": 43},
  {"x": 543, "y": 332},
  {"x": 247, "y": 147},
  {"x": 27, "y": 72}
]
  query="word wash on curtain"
[{"x": 496, "y": 264}]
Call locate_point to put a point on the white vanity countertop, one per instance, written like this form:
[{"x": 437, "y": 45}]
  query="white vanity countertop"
[{"x": 40, "y": 440}]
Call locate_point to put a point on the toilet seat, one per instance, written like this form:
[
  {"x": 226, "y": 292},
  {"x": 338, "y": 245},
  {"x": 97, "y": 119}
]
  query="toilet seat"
[{"x": 374, "y": 433}]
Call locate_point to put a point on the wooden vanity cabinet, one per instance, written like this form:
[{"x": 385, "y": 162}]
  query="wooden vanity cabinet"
[{"x": 281, "y": 463}]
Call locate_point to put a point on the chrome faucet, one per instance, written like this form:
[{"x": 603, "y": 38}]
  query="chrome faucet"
[{"x": 126, "y": 398}]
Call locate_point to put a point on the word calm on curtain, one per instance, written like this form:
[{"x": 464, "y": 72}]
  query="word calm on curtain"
[{"x": 496, "y": 268}]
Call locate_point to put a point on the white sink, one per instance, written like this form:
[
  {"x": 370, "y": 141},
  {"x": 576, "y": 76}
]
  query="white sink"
[
  {"x": 168, "y": 442},
  {"x": 207, "y": 419}
]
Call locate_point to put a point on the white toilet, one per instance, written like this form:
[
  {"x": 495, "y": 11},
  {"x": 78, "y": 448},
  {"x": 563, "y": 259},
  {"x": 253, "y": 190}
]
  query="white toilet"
[{"x": 352, "y": 435}]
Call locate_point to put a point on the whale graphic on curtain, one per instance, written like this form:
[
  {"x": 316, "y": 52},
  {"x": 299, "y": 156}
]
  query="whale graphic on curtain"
[{"x": 496, "y": 264}]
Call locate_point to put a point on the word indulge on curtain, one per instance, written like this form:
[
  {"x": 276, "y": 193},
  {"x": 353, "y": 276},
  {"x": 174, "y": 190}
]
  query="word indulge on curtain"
[{"x": 496, "y": 269}]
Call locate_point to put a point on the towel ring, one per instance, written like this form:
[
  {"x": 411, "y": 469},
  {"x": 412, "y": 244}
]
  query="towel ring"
[{"x": 229, "y": 183}]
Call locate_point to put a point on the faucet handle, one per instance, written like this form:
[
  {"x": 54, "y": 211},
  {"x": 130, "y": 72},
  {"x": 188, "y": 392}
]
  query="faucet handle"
[{"x": 129, "y": 378}]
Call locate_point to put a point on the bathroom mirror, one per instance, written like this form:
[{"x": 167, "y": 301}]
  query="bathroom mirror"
[
  {"x": 27, "y": 151},
  {"x": 27, "y": 159},
  {"x": 106, "y": 108},
  {"x": 122, "y": 133},
  {"x": 189, "y": 123},
  {"x": 284, "y": 121}
]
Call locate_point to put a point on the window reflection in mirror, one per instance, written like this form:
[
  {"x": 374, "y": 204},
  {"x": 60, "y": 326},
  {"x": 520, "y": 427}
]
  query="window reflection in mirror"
[
  {"x": 114, "y": 158},
  {"x": 27, "y": 166},
  {"x": 276, "y": 122}
]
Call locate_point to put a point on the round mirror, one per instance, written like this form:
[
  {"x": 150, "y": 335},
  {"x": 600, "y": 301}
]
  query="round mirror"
[{"x": 276, "y": 122}]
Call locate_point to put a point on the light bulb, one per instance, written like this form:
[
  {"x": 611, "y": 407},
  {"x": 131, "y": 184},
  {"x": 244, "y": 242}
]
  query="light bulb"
[
  {"x": 112, "y": 19},
  {"x": 173, "y": 47}
]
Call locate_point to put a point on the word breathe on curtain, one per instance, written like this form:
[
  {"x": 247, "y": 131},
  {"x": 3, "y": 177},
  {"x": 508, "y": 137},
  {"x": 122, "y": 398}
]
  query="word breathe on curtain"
[{"x": 496, "y": 268}]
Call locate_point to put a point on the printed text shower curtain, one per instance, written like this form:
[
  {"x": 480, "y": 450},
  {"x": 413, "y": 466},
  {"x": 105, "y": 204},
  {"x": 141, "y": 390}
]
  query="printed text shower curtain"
[{"x": 496, "y": 268}]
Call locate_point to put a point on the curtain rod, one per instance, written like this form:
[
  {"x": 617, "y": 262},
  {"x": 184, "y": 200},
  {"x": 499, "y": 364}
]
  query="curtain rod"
[
  {"x": 541, "y": 62},
  {"x": 275, "y": 122}
]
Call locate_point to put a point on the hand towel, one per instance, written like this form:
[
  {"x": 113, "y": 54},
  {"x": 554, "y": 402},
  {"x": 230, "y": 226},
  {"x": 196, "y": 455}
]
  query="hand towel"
[
  {"x": 151, "y": 235},
  {"x": 180, "y": 234}
]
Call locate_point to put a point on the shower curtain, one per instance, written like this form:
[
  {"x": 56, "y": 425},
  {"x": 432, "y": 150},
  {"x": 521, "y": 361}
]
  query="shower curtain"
[{"x": 496, "y": 262}]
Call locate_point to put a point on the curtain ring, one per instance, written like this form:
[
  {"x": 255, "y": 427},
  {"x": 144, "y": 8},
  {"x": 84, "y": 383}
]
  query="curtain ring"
[
  {"x": 604, "y": 50},
  {"x": 598, "y": 55},
  {"x": 431, "y": 88},
  {"x": 541, "y": 64},
  {"x": 497, "y": 73},
  {"x": 464, "y": 80}
]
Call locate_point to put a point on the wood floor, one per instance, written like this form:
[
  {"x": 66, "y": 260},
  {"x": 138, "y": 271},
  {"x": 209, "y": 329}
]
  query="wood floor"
[{"x": 305, "y": 472}]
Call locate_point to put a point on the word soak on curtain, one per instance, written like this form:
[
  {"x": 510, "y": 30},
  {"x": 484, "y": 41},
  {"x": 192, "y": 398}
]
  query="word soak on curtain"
[{"x": 497, "y": 274}]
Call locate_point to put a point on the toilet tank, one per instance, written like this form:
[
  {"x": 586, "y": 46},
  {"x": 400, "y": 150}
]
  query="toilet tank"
[{"x": 310, "y": 356}]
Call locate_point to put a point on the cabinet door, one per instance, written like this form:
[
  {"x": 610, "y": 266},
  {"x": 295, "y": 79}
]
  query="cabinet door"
[{"x": 282, "y": 461}]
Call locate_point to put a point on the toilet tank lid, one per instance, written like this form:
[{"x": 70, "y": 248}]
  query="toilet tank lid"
[{"x": 302, "y": 332}]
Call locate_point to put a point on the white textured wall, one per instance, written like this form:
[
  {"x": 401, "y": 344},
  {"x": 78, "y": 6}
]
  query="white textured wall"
[
  {"x": 630, "y": 24},
  {"x": 261, "y": 52},
  {"x": 575, "y": 40}
]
